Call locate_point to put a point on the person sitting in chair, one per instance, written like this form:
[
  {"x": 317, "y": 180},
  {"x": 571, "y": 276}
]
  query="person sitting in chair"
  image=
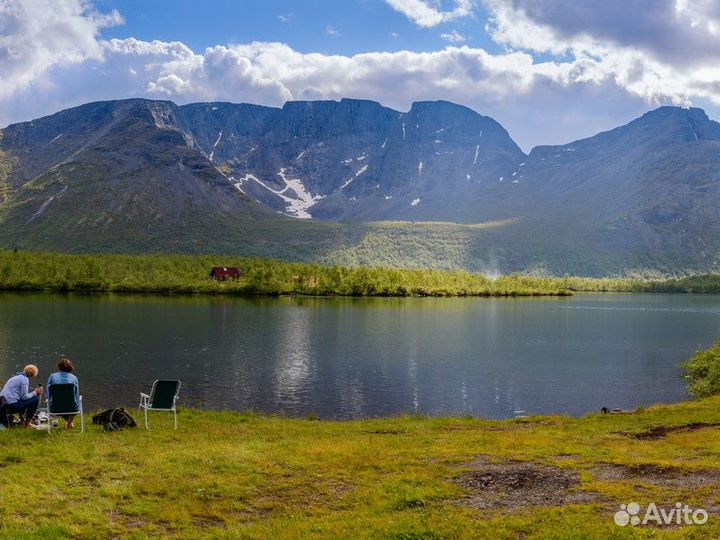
[
  {"x": 19, "y": 398},
  {"x": 64, "y": 375}
]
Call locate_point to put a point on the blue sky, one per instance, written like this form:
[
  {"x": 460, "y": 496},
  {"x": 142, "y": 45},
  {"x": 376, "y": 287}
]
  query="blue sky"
[
  {"x": 361, "y": 25},
  {"x": 550, "y": 71}
]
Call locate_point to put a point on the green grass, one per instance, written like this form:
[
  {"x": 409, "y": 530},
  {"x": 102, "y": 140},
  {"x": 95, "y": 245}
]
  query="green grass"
[
  {"x": 704, "y": 372},
  {"x": 184, "y": 274},
  {"x": 706, "y": 283},
  {"x": 188, "y": 274},
  {"x": 231, "y": 475},
  {"x": 426, "y": 244}
]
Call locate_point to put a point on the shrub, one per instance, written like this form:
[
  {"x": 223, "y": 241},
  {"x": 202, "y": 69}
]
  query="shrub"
[{"x": 704, "y": 372}]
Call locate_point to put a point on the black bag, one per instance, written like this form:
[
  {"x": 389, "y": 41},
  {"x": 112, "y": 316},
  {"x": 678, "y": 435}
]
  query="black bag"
[
  {"x": 5, "y": 417},
  {"x": 114, "y": 419}
]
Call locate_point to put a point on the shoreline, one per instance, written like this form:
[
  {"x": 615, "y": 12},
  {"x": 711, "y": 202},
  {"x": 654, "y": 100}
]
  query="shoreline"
[
  {"x": 235, "y": 475},
  {"x": 190, "y": 275},
  {"x": 292, "y": 294}
]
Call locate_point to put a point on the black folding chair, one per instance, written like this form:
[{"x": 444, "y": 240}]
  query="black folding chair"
[
  {"x": 61, "y": 402},
  {"x": 163, "y": 397}
]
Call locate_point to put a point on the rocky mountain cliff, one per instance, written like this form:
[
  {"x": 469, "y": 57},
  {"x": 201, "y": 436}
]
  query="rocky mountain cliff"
[
  {"x": 141, "y": 175},
  {"x": 355, "y": 160}
]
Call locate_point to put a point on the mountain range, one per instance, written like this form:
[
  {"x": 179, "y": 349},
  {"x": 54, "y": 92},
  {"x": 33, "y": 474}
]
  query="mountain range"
[{"x": 353, "y": 182}]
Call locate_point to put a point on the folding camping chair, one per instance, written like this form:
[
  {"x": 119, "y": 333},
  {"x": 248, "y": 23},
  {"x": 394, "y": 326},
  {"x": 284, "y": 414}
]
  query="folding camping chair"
[{"x": 163, "y": 397}]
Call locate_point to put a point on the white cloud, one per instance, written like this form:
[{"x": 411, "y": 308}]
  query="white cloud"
[
  {"x": 594, "y": 83},
  {"x": 453, "y": 37},
  {"x": 37, "y": 35},
  {"x": 330, "y": 31},
  {"x": 277, "y": 72},
  {"x": 285, "y": 18},
  {"x": 625, "y": 42},
  {"x": 425, "y": 14},
  {"x": 676, "y": 32},
  {"x": 508, "y": 87}
]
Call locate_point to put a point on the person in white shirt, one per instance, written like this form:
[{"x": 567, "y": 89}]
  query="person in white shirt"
[{"x": 18, "y": 396}]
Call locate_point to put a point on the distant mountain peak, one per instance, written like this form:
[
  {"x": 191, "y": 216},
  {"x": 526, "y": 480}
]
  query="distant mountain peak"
[
  {"x": 641, "y": 195},
  {"x": 441, "y": 104},
  {"x": 665, "y": 110},
  {"x": 672, "y": 123}
]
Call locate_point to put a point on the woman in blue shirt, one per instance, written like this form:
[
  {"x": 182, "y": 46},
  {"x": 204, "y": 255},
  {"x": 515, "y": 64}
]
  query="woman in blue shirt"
[{"x": 65, "y": 376}]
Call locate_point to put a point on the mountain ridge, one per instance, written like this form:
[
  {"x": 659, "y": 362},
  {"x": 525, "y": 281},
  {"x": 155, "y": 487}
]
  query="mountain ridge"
[{"x": 234, "y": 176}]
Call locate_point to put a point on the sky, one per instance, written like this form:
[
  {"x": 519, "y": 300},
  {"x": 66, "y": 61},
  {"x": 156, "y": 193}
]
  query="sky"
[{"x": 550, "y": 71}]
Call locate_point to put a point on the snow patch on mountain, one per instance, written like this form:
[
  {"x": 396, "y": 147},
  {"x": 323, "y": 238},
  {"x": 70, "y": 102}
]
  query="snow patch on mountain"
[
  {"x": 362, "y": 170},
  {"x": 296, "y": 206},
  {"x": 415, "y": 202},
  {"x": 212, "y": 152},
  {"x": 239, "y": 183}
]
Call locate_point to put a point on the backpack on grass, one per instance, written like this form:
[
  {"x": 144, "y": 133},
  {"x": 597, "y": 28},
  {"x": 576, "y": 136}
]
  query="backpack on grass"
[{"x": 114, "y": 419}]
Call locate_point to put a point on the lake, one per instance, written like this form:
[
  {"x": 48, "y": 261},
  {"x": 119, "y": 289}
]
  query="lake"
[{"x": 366, "y": 357}]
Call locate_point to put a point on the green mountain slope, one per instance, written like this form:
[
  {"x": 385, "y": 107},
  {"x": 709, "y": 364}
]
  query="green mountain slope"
[{"x": 438, "y": 187}]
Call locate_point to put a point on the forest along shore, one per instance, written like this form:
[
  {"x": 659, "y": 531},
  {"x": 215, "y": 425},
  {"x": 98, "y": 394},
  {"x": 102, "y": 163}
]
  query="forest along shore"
[{"x": 177, "y": 274}]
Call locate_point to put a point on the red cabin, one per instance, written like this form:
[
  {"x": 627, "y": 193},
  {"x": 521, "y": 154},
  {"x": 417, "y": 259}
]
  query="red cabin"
[{"x": 221, "y": 273}]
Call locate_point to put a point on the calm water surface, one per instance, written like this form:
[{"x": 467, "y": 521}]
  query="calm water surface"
[{"x": 349, "y": 358}]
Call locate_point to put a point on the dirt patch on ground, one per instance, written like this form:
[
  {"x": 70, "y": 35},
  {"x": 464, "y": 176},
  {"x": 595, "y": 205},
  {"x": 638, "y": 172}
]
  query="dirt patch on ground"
[
  {"x": 517, "y": 484},
  {"x": 671, "y": 477},
  {"x": 205, "y": 522},
  {"x": 127, "y": 523},
  {"x": 662, "y": 431}
]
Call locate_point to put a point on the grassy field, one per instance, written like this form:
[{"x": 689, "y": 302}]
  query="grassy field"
[
  {"x": 708, "y": 283},
  {"x": 231, "y": 475},
  {"x": 190, "y": 274}
]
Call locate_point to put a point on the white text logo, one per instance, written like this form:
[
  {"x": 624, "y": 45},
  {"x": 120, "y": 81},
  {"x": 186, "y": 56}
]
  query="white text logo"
[{"x": 680, "y": 514}]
